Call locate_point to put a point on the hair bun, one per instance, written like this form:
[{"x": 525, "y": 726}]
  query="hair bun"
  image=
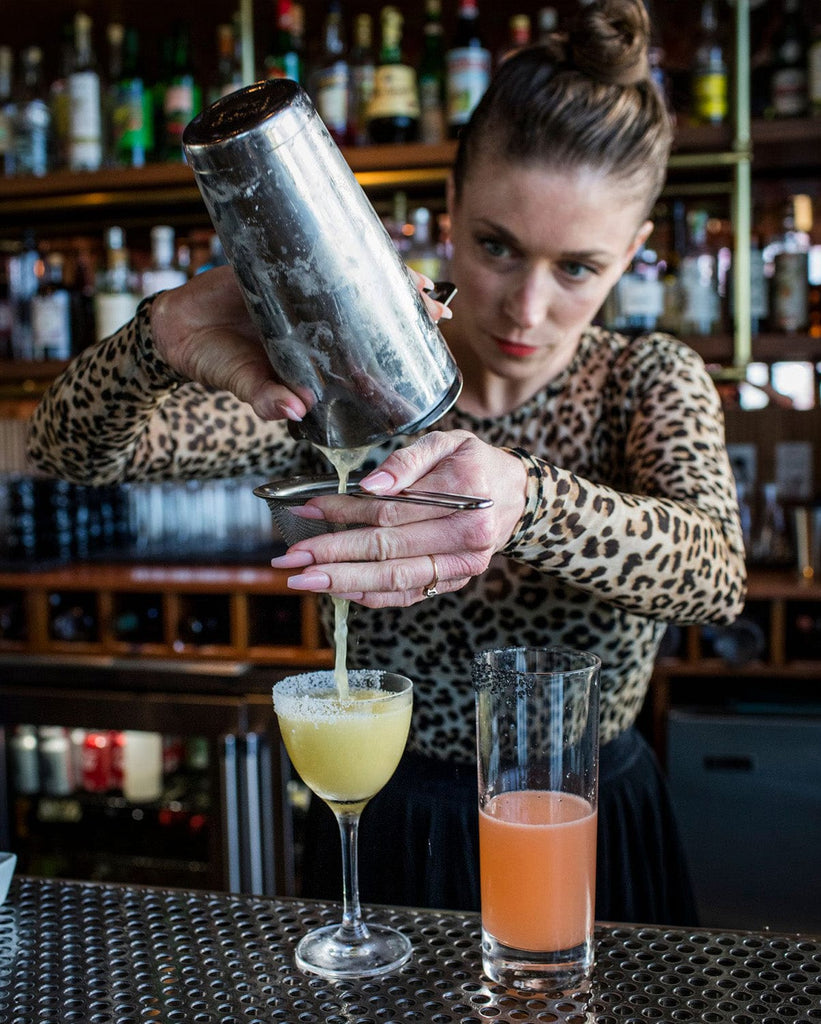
[{"x": 609, "y": 39}]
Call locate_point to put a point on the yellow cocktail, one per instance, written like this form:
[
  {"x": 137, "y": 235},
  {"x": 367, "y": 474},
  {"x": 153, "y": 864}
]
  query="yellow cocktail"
[{"x": 346, "y": 748}]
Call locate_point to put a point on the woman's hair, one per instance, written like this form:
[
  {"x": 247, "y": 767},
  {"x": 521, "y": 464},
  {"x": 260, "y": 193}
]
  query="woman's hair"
[{"x": 583, "y": 99}]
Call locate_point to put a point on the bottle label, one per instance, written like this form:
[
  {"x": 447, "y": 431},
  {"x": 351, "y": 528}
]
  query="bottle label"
[
  {"x": 51, "y": 326},
  {"x": 285, "y": 65},
  {"x": 178, "y": 109},
  {"x": 362, "y": 76},
  {"x": 111, "y": 311},
  {"x": 395, "y": 93},
  {"x": 700, "y": 303},
  {"x": 331, "y": 94},
  {"x": 131, "y": 120},
  {"x": 640, "y": 299},
  {"x": 85, "y": 131},
  {"x": 789, "y": 87},
  {"x": 814, "y": 75},
  {"x": 710, "y": 96},
  {"x": 432, "y": 122},
  {"x": 468, "y": 76}
]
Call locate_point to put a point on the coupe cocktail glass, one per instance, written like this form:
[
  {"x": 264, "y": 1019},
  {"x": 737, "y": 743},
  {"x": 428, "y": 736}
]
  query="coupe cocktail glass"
[{"x": 346, "y": 748}]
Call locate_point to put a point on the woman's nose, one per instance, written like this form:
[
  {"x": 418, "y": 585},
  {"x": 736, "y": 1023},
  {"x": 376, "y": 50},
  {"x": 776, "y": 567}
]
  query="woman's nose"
[{"x": 528, "y": 301}]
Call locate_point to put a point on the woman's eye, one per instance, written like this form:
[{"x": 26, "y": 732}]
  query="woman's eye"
[
  {"x": 578, "y": 271},
  {"x": 494, "y": 248}
]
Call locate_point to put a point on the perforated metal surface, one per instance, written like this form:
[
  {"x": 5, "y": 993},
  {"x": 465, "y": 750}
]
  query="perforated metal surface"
[{"x": 98, "y": 954}]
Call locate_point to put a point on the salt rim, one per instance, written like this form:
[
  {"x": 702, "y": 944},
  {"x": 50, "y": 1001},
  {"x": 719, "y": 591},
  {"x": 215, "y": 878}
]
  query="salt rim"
[{"x": 291, "y": 700}]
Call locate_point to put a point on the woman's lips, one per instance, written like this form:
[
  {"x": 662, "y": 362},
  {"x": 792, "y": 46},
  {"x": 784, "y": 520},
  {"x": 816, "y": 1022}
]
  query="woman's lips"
[{"x": 514, "y": 348}]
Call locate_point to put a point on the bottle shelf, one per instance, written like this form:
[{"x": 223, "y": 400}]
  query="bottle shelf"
[
  {"x": 232, "y": 614},
  {"x": 775, "y": 601}
]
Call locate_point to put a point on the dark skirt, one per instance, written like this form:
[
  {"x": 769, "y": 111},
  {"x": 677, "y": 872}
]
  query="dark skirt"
[{"x": 419, "y": 842}]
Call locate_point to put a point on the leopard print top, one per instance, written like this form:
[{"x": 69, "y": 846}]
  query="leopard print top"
[{"x": 631, "y": 519}]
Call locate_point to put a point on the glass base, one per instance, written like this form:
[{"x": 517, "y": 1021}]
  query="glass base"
[
  {"x": 323, "y": 951},
  {"x": 561, "y": 972}
]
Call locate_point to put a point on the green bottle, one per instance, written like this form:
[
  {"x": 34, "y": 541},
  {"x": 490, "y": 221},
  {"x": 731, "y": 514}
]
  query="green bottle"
[{"x": 182, "y": 96}]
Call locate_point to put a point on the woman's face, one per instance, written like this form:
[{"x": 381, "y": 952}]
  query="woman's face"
[{"x": 535, "y": 253}]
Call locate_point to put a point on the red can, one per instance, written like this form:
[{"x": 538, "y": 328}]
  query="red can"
[
  {"x": 117, "y": 754},
  {"x": 97, "y": 762}
]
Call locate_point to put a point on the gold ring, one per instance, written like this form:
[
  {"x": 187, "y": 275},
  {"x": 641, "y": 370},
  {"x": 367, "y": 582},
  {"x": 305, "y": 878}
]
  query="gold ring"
[{"x": 430, "y": 590}]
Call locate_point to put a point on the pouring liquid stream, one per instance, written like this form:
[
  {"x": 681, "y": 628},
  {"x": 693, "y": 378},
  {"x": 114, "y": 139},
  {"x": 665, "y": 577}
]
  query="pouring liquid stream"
[{"x": 344, "y": 461}]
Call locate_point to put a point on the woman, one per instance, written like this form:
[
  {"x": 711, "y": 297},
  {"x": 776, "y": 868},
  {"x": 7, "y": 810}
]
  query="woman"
[{"x": 614, "y": 509}]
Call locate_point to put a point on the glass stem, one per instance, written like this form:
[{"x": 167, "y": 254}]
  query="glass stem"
[{"x": 353, "y": 928}]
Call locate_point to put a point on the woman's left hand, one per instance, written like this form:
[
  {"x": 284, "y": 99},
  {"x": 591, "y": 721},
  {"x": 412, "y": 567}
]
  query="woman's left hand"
[{"x": 405, "y": 550}]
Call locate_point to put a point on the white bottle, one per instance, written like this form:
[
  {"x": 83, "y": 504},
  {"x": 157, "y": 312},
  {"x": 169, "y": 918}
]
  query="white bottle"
[
  {"x": 85, "y": 128},
  {"x": 164, "y": 272},
  {"x": 115, "y": 299},
  {"x": 142, "y": 766},
  {"x": 51, "y": 313}
]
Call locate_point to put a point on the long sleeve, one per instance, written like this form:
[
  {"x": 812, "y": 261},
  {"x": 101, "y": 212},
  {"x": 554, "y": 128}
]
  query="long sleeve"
[
  {"x": 119, "y": 412},
  {"x": 661, "y": 537}
]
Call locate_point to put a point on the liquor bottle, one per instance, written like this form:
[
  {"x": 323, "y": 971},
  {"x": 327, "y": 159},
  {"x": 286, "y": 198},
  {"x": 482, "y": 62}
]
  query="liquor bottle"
[
  {"x": 182, "y": 98},
  {"x": 115, "y": 40},
  {"x": 519, "y": 32},
  {"x": 25, "y": 267},
  {"x": 698, "y": 280},
  {"x": 468, "y": 66},
  {"x": 283, "y": 59},
  {"x": 421, "y": 254},
  {"x": 759, "y": 293},
  {"x": 229, "y": 73},
  {"x": 637, "y": 301},
  {"x": 814, "y": 68},
  {"x": 85, "y": 122},
  {"x": 6, "y": 112},
  {"x": 789, "y": 78},
  {"x": 51, "y": 312},
  {"x": 393, "y": 114},
  {"x": 361, "y": 74},
  {"x": 330, "y": 79},
  {"x": 164, "y": 272},
  {"x": 32, "y": 117},
  {"x": 115, "y": 299},
  {"x": 58, "y": 99},
  {"x": 5, "y": 332},
  {"x": 709, "y": 70},
  {"x": 132, "y": 114},
  {"x": 788, "y": 255},
  {"x": 771, "y": 544},
  {"x": 432, "y": 76},
  {"x": 546, "y": 23}
]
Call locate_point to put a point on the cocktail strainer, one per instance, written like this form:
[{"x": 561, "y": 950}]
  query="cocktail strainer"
[{"x": 283, "y": 495}]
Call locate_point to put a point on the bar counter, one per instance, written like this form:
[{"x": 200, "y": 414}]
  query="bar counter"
[{"x": 96, "y": 953}]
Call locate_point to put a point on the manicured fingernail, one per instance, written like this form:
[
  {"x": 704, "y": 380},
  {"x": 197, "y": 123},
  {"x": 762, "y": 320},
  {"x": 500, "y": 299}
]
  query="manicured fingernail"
[
  {"x": 307, "y": 511},
  {"x": 310, "y": 581},
  {"x": 293, "y": 560},
  {"x": 289, "y": 413},
  {"x": 378, "y": 482},
  {"x": 446, "y": 313}
]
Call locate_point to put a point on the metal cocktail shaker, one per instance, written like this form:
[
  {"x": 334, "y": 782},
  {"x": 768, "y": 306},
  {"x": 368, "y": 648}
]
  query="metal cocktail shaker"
[{"x": 342, "y": 321}]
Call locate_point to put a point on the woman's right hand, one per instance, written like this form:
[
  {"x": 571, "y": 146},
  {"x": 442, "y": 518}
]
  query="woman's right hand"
[{"x": 203, "y": 331}]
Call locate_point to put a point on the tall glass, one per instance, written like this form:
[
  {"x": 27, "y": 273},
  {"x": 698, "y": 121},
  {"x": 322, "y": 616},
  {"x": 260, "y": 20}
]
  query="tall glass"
[
  {"x": 537, "y": 716},
  {"x": 346, "y": 748}
]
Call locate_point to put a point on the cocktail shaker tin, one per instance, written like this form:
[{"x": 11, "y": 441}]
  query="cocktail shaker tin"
[{"x": 342, "y": 321}]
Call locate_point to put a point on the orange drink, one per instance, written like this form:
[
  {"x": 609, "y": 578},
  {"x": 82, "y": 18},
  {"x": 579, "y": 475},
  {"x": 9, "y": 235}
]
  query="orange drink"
[
  {"x": 538, "y": 869},
  {"x": 537, "y": 741}
]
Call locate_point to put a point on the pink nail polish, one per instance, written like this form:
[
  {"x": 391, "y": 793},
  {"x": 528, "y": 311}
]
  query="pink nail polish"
[
  {"x": 312, "y": 581},
  {"x": 292, "y": 560}
]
